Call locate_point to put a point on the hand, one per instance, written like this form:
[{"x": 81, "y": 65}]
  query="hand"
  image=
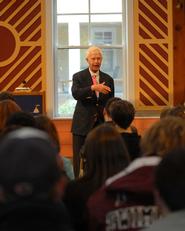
[{"x": 101, "y": 87}]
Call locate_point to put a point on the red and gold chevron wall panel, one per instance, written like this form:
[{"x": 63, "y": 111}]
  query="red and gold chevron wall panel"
[
  {"x": 21, "y": 45},
  {"x": 153, "y": 54}
]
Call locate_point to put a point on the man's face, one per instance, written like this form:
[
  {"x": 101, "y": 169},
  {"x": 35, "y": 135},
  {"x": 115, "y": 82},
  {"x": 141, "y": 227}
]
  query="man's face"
[{"x": 94, "y": 60}]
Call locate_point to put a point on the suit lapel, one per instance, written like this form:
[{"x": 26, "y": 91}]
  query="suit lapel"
[{"x": 88, "y": 77}]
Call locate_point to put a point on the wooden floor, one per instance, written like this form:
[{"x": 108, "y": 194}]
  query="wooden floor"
[{"x": 63, "y": 127}]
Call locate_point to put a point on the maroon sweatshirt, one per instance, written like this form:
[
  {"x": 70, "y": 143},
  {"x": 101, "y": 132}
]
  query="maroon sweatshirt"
[{"x": 126, "y": 201}]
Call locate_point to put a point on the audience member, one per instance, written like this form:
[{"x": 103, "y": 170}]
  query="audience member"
[
  {"x": 31, "y": 183},
  {"x": 44, "y": 123},
  {"x": 126, "y": 200},
  {"x": 4, "y": 95},
  {"x": 107, "y": 116},
  {"x": 18, "y": 120},
  {"x": 122, "y": 113},
  {"x": 178, "y": 110},
  {"x": 165, "y": 112},
  {"x": 107, "y": 119},
  {"x": 7, "y": 107},
  {"x": 21, "y": 119},
  {"x": 106, "y": 111},
  {"x": 170, "y": 191},
  {"x": 163, "y": 136},
  {"x": 105, "y": 155}
]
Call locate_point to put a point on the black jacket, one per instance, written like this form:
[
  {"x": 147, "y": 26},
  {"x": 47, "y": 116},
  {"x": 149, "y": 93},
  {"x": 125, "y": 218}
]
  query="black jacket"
[{"x": 88, "y": 106}]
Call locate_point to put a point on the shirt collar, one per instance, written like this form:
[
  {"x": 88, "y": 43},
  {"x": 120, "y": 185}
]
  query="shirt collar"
[{"x": 94, "y": 74}]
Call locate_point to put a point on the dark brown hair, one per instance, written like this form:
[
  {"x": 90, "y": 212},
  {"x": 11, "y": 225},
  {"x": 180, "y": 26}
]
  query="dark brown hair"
[
  {"x": 4, "y": 95},
  {"x": 44, "y": 123},
  {"x": 105, "y": 154},
  {"x": 122, "y": 113},
  {"x": 7, "y": 108}
]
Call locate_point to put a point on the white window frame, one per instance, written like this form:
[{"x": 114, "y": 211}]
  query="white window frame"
[{"x": 128, "y": 78}]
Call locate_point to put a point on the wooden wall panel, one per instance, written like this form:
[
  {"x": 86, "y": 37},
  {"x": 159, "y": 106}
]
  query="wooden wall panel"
[
  {"x": 64, "y": 126},
  {"x": 22, "y": 44},
  {"x": 179, "y": 48},
  {"x": 153, "y": 54}
]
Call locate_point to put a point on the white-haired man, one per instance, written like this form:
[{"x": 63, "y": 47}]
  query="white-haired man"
[{"x": 91, "y": 88}]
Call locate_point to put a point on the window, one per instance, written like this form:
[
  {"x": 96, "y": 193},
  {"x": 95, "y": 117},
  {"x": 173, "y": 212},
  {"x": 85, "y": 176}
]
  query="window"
[{"x": 81, "y": 24}]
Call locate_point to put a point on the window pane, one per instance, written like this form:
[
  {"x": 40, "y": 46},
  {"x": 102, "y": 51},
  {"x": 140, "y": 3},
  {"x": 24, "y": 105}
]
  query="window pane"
[
  {"x": 65, "y": 104},
  {"x": 106, "y": 18},
  {"x": 112, "y": 65},
  {"x": 72, "y": 6},
  {"x": 102, "y": 32},
  {"x": 71, "y": 61},
  {"x": 106, "y": 33},
  {"x": 103, "y": 6},
  {"x": 72, "y": 30},
  {"x": 77, "y": 29}
]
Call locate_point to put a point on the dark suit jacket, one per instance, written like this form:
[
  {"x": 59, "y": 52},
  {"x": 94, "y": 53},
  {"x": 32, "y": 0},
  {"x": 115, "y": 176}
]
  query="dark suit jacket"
[{"x": 88, "y": 106}]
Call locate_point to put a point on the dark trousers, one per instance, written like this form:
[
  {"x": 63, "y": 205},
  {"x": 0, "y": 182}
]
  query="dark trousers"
[{"x": 78, "y": 142}]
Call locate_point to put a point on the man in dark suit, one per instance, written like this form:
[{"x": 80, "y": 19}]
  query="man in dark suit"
[{"x": 91, "y": 88}]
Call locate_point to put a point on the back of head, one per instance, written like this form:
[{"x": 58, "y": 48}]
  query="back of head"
[
  {"x": 4, "y": 95},
  {"x": 105, "y": 153},
  {"x": 169, "y": 179},
  {"x": 45, "y": 124},
  {"x": 122, "y": 113},
  {"x": 165, "y": 112},
  {"x": 21, "y": 119},
  {"x": 108, "y": 104},
  {"x": 178, "y": 111},
  {"x": 29, "y": 165},
  {"x": 7, "y": 107},
  {"x": 163, "y": 136}
]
